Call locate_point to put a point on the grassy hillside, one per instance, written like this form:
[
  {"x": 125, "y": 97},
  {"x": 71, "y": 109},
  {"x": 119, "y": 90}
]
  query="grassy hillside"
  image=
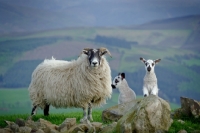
[
  {"x": 17, "y": 101},
  {"x": 177, "y": 73}
]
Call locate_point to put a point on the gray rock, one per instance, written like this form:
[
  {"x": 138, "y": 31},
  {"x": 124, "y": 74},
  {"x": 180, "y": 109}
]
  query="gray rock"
[
  {"x": 116, "y": 112},
  {"x": 190, "y": 107},
  {"x": 79, "y": 127},
  {"x": 13, "y": 126},
  {"x": 182, "y": 131},
  {"x": 149, "y": 115},
  {"x": 67, "y": 124},
  {"x": 110, "y": 128},
  {"x": 24, "y": 129},
  {"x": 20, "y": 122}
]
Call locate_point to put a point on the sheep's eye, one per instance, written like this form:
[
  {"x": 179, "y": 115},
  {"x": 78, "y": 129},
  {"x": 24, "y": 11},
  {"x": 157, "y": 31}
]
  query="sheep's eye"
[
  {"x": 146, "y": 64},
  {"x": 152, "y": 64}
]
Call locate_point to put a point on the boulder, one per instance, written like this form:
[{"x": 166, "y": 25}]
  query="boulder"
[
  {"x": 150, "y": 114},
  {"x": 116, "y": 112},
  {"x": 190, "y": 107},
  {"x": 67, "y": 124}
]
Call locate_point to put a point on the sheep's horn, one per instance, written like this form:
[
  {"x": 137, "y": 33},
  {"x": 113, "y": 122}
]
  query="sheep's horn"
[
  {"x": 85, "y": 51},
  {"x": 104, "y": 51}
]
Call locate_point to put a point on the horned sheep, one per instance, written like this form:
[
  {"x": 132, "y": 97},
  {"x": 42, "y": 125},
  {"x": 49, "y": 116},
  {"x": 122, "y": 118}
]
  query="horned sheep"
[
  {"x": 126, "y": 94},
  {"x": 82, "y": 83},
  {"x": 150, "y": 85}
]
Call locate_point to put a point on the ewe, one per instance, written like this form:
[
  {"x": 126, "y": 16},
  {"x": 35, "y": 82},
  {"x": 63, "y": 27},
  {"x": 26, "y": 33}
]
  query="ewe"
[
  {"x": 126, "y": 94},
  {"x": 81, "y": 83},
  {"x": 150, "y": 81}
]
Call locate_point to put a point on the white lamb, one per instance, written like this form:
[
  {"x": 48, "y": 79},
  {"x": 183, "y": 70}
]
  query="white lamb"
[
  {"x": 150, "y": 85},
  {"x": 81, "y": 83},
  {"x": 126, "y": 94}
]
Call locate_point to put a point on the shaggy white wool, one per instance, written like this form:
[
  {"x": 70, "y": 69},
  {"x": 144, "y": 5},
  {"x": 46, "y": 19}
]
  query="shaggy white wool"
[
  {"x": 126, "y": 94},
  {"x": 70, "y": 84},
  {"x": 150, "y": 85}
]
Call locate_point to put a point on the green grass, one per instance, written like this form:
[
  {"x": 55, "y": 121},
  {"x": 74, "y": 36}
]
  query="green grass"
[{"x": 53, "y": 118}]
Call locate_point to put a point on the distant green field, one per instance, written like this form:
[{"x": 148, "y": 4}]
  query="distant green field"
[{"x": 16, "y": 101}]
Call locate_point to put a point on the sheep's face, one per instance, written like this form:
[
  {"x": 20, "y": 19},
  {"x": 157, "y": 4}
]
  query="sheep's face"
[
  {"x": 118, "y": 80},
  {"x": 150, "y": 64},
  {"x": 95, "y": 55}
]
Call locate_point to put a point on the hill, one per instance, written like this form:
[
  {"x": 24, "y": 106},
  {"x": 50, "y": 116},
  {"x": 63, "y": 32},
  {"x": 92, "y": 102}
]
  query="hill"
[
  {"x": 30, "y": 16},
  {"x": 177, "y": 73}
]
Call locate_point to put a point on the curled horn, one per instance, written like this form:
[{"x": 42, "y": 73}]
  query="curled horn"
[
  {"x": 104, "y": 51},
  {"x": 85, "y": 51}
]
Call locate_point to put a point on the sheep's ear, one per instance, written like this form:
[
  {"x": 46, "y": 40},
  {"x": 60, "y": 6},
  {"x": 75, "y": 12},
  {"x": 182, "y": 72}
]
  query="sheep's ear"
[
  {"x": 142, "y": 59},
  {"x": 157, "y": 60},
  {"x": 123, "y": 75},
  {"x": 104, "y": 51},
  {"x": 85, "y": 51}
]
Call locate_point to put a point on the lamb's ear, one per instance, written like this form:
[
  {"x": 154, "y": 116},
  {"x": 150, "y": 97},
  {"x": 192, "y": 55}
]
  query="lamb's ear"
[
  {"x": 123, "y": 75},
  {"x": 157, "y": 60},
  {"x": 142, "y": 59},
  {"x": 103, "y": 51}
]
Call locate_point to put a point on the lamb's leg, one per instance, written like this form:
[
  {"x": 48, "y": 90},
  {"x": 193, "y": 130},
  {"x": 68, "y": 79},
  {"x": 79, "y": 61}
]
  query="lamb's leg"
[
  {"x": 90, "y": 112},
  {"x": 85, "y": 114},
  {"x": 46, "y": 110},
  {"x": 34, "y": 109},
  {"x": 155, "y": 91},
  {"x": 145, "y": 92}
]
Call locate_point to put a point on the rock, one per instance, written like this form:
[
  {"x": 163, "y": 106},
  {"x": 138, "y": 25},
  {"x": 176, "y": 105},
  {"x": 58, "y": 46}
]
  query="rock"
[
  {"x": 182, "y": 131},
  {"x": 32, "y": 125},
  {"x": 67, "y": 124},
  {"x": 110, "y": 128},
  {"x": 190, "y": 107},
  {"x": 20, "y": 122},
  {"x": 116, "y": 112},
  {"x": 97, "y": 126},
  {"x": 6, "y": 130},
  {"x": 149, "y": 115},
  {"x": 13, "y": 126},
  {"x": 181, "y": 121},
  {"x": 24, "y": 129},
  {"x": 48, "y": 124},
  {"x": 81, "y": 127}
]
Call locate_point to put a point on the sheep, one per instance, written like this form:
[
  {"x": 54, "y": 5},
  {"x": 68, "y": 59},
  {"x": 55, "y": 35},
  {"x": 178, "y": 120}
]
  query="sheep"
[
  {"x": 126, "y": 93},
  {"x": 150, "y": 85},
  {"x": 82, "y": 83}
]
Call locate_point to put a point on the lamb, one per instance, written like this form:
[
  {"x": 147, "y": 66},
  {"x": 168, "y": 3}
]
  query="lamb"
[
  {"x": 82, "y": 83},
  {"x": 126, "y": 93},
  {"x": 150, "y": 85}
]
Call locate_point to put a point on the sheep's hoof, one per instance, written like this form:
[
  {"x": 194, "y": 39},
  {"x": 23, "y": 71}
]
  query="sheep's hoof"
[
  {"x": 84, "y": 120},
  {"x": 90, "y": 118},
  {"x": 145, "y": 95}
]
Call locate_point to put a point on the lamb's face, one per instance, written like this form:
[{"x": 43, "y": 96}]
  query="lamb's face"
[
  {"x": 118, "y": 80},
  {"x": 150, "y": 64},
  {"x": 95, "y": 56}
]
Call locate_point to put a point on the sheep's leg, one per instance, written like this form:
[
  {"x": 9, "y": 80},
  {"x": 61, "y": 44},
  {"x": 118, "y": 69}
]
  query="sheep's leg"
[
  {"x": 85, "y": 114},
  {"x": 145, "y": 92},
  {"x": 34, "y": 109},
  {"x": 90, "y": 112},
  {"x": 46, "y": 110}
]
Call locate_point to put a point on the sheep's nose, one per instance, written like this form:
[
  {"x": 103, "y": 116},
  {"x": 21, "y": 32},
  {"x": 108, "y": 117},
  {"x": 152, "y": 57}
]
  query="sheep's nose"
[
  {"x": 149, "y": 68},
  {"x": 94, "y": 63}
]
